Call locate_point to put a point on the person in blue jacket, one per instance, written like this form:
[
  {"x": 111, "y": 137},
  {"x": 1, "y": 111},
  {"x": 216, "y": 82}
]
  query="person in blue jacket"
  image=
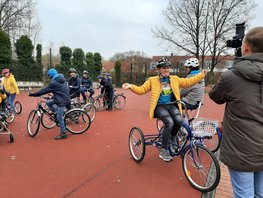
[
  {"x": 107, "y": 88},
  {"x": 61, "y": 98},
  {"x": 74, "y": 84},
  {"x": 86, "y": 85}
]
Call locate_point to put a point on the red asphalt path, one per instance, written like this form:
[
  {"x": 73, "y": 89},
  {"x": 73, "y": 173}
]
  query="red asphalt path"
[{"x": 94, "y": 164}]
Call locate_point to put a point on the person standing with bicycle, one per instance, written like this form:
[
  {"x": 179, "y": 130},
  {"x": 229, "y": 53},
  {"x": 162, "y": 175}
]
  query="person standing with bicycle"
[
  {"x": 107, "y": 88},
  {"x": 241, "y": 89},
  {"x": 165, "y": 90},
  {"x": 10, "y": 86},
  {"x": 61, "y": 99}
]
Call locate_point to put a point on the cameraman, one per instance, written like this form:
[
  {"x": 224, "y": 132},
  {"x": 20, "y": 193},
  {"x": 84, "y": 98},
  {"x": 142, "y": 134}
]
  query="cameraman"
[{"x": 241, "y": 88}]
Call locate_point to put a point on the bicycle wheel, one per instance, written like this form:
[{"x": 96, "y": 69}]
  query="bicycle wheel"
[
  {"x": 201, "y": 168},
  {"x": 10, "y": 115},
  {"x": 213, "y": 143},
  {"x": 91, "y": 110},
  {"x": 77, "y": 121},
  {"x": 119, "y": 102},
  {"x": 136, "y": 144},
  {"x": 100, "y": 103},
  {"x": 47, "y": 121},
  {"x": 159, "y": 124},
  {"x": 18, "y": 107},
  {"x": 33, "y": 123}
]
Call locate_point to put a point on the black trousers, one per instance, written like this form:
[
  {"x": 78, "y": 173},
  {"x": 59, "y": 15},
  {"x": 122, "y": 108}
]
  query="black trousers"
[
  {"x": 109, "y": 94},
  {"x": 172, "y": 119}
]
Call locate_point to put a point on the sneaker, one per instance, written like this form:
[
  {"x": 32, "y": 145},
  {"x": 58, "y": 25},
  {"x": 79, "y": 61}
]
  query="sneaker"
[
  {"x": 165, "y": 155},
  {"x": 61, "y": 136}
]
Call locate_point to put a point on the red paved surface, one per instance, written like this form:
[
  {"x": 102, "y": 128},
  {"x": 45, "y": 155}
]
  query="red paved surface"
[{"x": 94, "y": 164}]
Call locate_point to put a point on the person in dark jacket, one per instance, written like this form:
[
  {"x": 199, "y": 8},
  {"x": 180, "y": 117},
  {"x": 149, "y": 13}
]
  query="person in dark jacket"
[
  {"x": 61, "y": 99},
  {"x": 74, "y": 84},
  {"x": 107, "y": 88},
  {"x": 241, "y": 89},
  {"x": 86, "y": 85}
]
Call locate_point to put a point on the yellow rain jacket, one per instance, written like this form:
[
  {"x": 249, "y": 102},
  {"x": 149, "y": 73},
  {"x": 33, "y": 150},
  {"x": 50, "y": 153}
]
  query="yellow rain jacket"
[
  {"x": 154, "y": 85},
  {"x": 10, "y": 84},
  {"x": 2, "y": 97}
]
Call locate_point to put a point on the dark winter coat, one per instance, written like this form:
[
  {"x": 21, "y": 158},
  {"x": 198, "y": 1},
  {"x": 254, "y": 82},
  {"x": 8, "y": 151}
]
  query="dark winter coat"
[
  {"x": 106, "y": 86},
  {"x": 59, "y": 88},
  {"x": 86, "y": 82},
  {"x": 241, "y": 88},
  {"x": 74, "y": 85}
]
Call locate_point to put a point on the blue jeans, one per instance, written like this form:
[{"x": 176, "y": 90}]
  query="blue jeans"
[
  {"x": 60, "y": 114},
  {"x": 11, "y": 99},
  {"x": 247, "y": 184}
]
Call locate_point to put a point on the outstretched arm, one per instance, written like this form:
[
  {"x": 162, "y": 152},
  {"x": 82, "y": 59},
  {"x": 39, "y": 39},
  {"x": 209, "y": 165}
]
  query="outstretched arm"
[{"x": 140, "y": 90}]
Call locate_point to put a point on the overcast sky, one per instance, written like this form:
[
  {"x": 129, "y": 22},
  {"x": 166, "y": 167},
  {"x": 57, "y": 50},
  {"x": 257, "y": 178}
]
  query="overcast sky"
[{"x": 107, "y": 26}]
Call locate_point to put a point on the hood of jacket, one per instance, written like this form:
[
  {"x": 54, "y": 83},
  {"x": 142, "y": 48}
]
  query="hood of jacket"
[
  {"x": 250, "y": 67},
  {"x": 59, "y": 78}
]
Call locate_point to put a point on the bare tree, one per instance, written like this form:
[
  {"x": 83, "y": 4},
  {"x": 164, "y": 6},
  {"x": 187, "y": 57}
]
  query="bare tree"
[
  {"x": 18, "y": 17},
  {"x": 124, "y": 55},
  {"x": 200, "y": 27}
]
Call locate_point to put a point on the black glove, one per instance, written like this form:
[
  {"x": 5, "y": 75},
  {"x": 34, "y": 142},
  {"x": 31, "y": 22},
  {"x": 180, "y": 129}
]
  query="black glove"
[{"x": 30, "y": 94}]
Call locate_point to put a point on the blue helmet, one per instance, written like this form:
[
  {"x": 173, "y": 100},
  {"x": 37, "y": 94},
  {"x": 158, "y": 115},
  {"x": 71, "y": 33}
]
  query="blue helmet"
[
  {"x": 51, "y": 73},
  {"x": 100, "y": 77}
]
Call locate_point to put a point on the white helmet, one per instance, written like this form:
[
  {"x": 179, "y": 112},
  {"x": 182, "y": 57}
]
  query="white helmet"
[{"x": 191, "y": 62}]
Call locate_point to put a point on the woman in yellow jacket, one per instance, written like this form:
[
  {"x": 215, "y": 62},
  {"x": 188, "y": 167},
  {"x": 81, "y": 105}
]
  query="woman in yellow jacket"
[
  {"x": 165, "y": 89},
  {"x": 10, "y": 86}
]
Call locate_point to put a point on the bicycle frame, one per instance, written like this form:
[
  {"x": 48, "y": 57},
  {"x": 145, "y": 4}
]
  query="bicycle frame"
[{"x": 154, "y": 140}]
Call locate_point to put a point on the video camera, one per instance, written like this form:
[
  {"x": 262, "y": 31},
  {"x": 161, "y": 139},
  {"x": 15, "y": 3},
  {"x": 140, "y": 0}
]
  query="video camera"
[{"x": 236, "y": 42}]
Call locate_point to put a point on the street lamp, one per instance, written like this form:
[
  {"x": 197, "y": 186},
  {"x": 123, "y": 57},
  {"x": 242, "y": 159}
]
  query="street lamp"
[{"x": 132, "y": 66}]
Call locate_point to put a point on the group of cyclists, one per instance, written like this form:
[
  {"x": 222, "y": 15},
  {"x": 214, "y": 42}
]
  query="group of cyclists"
[{"x": 64, "y": 90}]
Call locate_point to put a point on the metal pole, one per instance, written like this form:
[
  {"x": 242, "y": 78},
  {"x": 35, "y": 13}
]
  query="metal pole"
[{"x": 50, "y": 57}]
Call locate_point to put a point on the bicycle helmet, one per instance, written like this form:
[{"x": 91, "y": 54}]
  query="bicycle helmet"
[
  {"x": 51, "y": 73},
  {"x": 100, "y": 77},
  {"x": 163, "y": 62},
  {"x": 4, "y": 71},
  {"x": 85, "y": 72},
  {"x": 191, "y": 62},
  {"x": 72, "y": 70}
]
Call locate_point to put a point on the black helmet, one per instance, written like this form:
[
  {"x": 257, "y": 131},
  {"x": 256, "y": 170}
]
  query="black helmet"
[
  {"x": 163, "y": 62},
  {"x": 72, "y": 70},
  {"x": 85, "y": 72}
]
